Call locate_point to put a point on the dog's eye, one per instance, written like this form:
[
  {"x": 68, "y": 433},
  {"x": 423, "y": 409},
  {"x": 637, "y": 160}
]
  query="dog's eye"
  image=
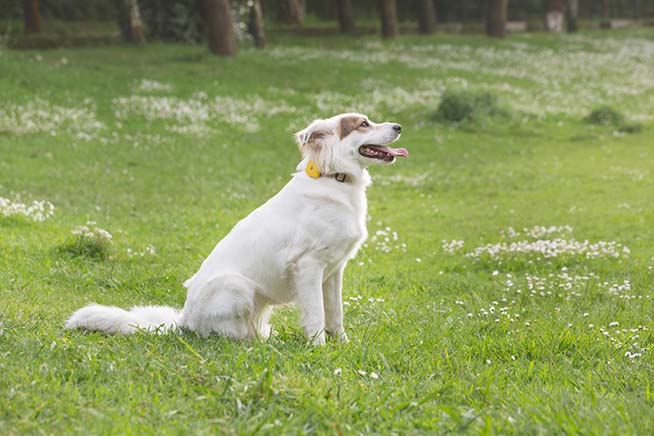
[{"x": 365, "y": 124}]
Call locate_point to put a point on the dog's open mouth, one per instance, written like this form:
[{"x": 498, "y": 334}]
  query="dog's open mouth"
[{"x": 382, "y": 152}]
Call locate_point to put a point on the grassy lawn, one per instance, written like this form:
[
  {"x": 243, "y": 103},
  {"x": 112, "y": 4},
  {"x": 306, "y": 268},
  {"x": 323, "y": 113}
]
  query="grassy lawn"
[{"x": 460, "y": 320}]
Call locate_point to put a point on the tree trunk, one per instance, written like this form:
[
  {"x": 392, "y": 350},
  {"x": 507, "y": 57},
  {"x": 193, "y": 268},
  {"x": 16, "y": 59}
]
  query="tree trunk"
[
  {"x": 496, "y": 18},
  {"x": 606, "y": 22},
  {"x": 636, "y": 9},
  {"x": 554, "y": 11},
  {"x": 291, "y": 12},
  {"x": 256, "y": 24},
  {"x": 572, "y": 12},
  {"x": 222, "y": 40},
  {"x": 31, "y": 16},
  {"x": 345, "y": 16},
  {"x": 463, "y": 11},
  {"x": 129, "y": 20},
  {"x": 388, "y": 10},
  {"x": 426, "y": 16}
]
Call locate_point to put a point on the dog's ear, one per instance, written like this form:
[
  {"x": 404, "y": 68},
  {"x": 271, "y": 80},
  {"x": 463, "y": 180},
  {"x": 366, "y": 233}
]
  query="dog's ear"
[
  {"x": 314, "y": 142},
  {"x": 312, "y": 135}
]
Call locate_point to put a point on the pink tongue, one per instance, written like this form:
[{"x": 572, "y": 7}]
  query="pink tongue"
[{"x": 395, "y": 151}]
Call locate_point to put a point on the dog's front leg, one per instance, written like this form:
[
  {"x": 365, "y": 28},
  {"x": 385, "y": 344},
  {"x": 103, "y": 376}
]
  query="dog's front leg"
[
  {"x": 308, "y": 281},
  {"x": 333, "y": 301}
]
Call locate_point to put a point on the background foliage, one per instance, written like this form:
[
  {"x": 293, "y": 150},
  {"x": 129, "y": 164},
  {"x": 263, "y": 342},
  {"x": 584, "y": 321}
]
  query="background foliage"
[{"x": 447, "y": 10}]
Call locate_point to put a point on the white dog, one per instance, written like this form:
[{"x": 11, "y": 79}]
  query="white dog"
[{"x": 294, "y": 248}]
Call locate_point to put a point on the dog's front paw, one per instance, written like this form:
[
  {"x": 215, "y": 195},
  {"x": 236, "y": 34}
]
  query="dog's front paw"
[
  {"x": 317, "y": 339},
  {"x": 339, "y": 335}
]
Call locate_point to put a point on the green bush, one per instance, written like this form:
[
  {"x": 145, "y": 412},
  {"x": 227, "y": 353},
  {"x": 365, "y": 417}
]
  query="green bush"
[
  {"x": 605, "y": 116},
  {"x": 630, "y": 128},
  {"x": 458, "y": 106}
]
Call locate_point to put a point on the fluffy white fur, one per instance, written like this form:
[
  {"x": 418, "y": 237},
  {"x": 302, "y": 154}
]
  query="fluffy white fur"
[{"x": 293, "y": 248}]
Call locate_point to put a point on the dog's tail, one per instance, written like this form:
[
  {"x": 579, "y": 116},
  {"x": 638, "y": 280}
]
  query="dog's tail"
[{"x": 114, "y": 320}]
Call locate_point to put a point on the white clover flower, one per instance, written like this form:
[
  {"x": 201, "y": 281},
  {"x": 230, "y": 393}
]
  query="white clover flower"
[
  {"x": 451, "y": 247},
  {"x": 91, "y": 233},
  {"x": 103, "y": 234},
  {"x": 41, "y": 116},
  {"x": 194, "y": 115},
  {"x": 386, "y": 240},
  {"x": 37, "y": 211},
  {"x": 148, "y": 251},
  {"x": 550, "y": 248},
  {"x": 80, "y": 230},
  {"x": 145, "y": 85}
]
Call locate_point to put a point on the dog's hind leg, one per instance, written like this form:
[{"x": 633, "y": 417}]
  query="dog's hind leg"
[
  {"x": 224, "y": 305},
  {"x": 263, "y": 327}
]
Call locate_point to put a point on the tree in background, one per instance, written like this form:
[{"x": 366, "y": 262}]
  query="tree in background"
[
  {"x": 345, "y": 16},
  {"x": 426, "y": 16},
  {"x": 291, "y": 12},
  {"x": 388, "y": 12},
  {"x": 554, "y": 10},
  {"x": 255, "y": 25},
  {"x": 179, "y": 20},
  {"x": 636, "y": 9},
  {"x": 32, "y": 16},
  {"x": 218, "y": 15},
  {"x": 496, "y": 18},
  {"x": 606, "y": 22},
  {"x": 463, "y": 11},
  {"x": 129, "y": 21},
  {"x": 572, "y": 12}
]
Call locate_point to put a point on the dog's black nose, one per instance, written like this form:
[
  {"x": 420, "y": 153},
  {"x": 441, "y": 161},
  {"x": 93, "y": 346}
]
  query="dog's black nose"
[{"x": 397, "y": 128}]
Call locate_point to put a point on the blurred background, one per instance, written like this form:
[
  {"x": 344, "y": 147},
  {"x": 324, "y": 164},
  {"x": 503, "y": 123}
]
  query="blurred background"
[{"x": 56, "y": 23}]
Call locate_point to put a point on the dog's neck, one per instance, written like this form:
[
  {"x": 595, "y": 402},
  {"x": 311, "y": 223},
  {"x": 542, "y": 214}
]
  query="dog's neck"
[
  {"x": 342, "y": 177},
  {"x": 351, "y": 176}
]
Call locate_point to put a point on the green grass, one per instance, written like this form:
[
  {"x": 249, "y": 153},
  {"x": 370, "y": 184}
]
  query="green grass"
[{"x": 554, "y": 361}]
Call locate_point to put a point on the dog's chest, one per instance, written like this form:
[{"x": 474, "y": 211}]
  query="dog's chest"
[{"x": 341, "y": 231}]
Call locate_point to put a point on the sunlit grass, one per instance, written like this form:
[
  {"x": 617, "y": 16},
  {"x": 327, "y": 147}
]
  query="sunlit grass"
[{"x": 506, "y": 286}]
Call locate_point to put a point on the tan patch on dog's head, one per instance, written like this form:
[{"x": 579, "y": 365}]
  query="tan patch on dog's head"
[
  {"x": 349, "y": 124},
  {"x": 314, "y": 136},
  {"x": 312, "y": 139}
]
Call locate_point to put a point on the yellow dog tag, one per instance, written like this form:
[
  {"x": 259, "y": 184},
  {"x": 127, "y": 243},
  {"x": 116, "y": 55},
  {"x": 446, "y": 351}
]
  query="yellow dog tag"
[{"x": 312, "y": 169}]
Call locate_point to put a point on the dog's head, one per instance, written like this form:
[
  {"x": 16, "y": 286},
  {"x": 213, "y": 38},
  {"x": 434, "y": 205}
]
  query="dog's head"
[{"x": 348, "y": 142}]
